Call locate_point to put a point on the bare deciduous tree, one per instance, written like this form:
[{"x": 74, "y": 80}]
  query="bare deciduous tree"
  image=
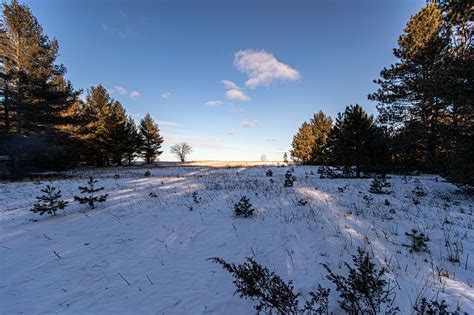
[{"x": 181, "y": 150}]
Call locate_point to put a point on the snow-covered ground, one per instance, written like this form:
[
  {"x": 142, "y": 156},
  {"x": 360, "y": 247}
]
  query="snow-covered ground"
[{"x": 137, "y": 254}]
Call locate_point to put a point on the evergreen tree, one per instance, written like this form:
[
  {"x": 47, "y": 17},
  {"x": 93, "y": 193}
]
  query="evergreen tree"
[
  {"x": 50, "y": 202},
  {"x": 303, "y": 143},
  {"x": 117, "y": 133},
  {"x": 95, "y": 116},
  {"x": 34, "y": 92},
  {"x": 285, "y": 158},
  {"x": 321, "y": 125},
  {"x": 356, "y": 141},
  {"x": 91, "y": 198},
  {"x": 151, "y": 139},
  {"x": 133, "y": 141},
  {"x": 310, "y": 140}
]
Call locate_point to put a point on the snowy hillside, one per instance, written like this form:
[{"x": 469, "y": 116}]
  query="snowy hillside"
[{"x": 138, "y": 253}]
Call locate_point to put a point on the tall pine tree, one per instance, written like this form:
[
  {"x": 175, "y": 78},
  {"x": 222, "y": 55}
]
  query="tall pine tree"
[
  {"x": 34, "y": 91},
  {"x": 356, "y": 141},
  {"x": 151, "y": 139}
]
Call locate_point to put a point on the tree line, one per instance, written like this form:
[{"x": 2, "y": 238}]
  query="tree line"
[
  {"x": 44, "y": 122},
  {"x": 424, "y": 100}
]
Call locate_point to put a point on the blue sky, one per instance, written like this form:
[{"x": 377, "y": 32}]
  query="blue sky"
[{"x": 233, "y": 78}]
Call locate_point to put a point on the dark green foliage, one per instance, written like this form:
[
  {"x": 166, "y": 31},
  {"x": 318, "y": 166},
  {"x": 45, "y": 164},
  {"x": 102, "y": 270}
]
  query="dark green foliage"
[
  {"x": 270, "y": 291},
  {"x": 379, "y": 185},
  {"x": 147, "y": 174},
  {"x": 417, "y": 241},
  {"x": 34, "y": 95},
  {"x": 432, "y": 307},
  {"x": 269, "y": 173},
  {"x": 356, "y": 141},
  {"x": 151, "y": 139},
  {"x": 426, "y": 97},
  {"x": 285, "y": 158},
  {"x": 364, "y": 290},
  {"x": 50, "y": 202},
  {"x": 243, "y": 208},
  {"x": 289, "y": 178},
  {"x": 90, "y": 191}
]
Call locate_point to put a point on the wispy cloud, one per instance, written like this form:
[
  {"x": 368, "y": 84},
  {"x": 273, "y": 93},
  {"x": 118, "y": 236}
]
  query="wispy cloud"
[
  {"x": 166, "y": 94},
  {"x": 237, "y": 95},
  {"x": 249, "y": 123},
  {"x": 120, "y": 89},
  {"x": 270, "y": 140},
  {"x": 123, "y": 31},
  {"x": 262, "y": 68},
  {"x": 235, "y": 109},
  {"x": 214, "y": 103},
  {"x": 134, "y": 94},
  {"x": 230, "y": 133},
  {"x": 234, "y": 92},
  {"x": 165, "y": 123}
]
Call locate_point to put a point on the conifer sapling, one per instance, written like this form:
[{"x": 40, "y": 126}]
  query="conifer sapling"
[
  {"x": 50, "y": 202},
  {"x": 91, "y": 198}
]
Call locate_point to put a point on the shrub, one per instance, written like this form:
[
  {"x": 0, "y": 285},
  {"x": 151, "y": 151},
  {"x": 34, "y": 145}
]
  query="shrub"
[
  {"x": 270, "y": 291},
  {"x": 418, "y": 241},
  {"x": 379, "y": 186},
  {"x": 289, "y": 178},
  {"x": 269, "y": 173},
  {"x": 196, "y": 199},
  {"x": 147, "y": 174},
  {"x": 364, "y": 290},
  {"x": 433, "y": 307},
  {"x": 243, "y": 207},
  {"x": 50, "y": 202},
  {"x": 91, "y": 198}
]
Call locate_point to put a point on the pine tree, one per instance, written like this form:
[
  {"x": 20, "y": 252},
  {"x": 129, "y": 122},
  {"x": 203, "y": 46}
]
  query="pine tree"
[
  {"x": 91, "y": 190},
  {"x": 151, "y": 139},
  {"x": 356, "y": 141},
  {"x": 133, "y": 141},
  {"x": 321, "y": 125},
  {"x": 285, "y": 158},
  {"x": 310, "y": 140},
  {"x": 34, "y": 91},
  {"x": 409, "y": 89},
  {"x": 303, "y": 143},
  {"x": 50, "y": 202},
  {"x": 289, "y": 178},
  {"x": 95, "y": 114},
  {"x": 117, "y": 133},
  {"x": 243, "y": 207}
]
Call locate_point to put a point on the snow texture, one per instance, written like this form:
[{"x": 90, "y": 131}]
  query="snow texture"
[{"x": 138, "y": 253}]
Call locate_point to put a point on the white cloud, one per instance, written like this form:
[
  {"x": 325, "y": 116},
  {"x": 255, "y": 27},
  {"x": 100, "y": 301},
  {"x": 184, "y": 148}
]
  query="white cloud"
[
  {"x": 214, "y": 103},
  {"x": 263, "y": 68},
  {"x": 166, "y": 95},
  {"x": 249, "y": 123},
  {"x": 230, "y": 133},
  {"x": 122, "y": 31},
  {"x": 271, "y": 140},
  {"x": 134, "y": 94},
  {"x": 120, "y": 89},
  {"x": 229, "y": 85},
  {"x": 165, "y": 123},
  {"x": 237, "y": 95}
]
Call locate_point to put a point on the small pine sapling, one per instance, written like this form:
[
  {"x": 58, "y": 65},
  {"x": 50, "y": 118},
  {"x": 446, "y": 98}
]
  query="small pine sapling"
[
  {"x": 425, "y": 307},
  {"x": 243, "y": 208},
  {"x": 147, "y": 174},
  {"x": 418, "y": 242},
  {"x": 289, "y": 178},
  {"x": 269, "y": 173},
  {"x": 379, "y": 186},
  {"x": 91, "y": 198},
  {"x": 50, "y": 202},
  {"x": 272, "y": 293},
  {"x": 364, "y": 290}
]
